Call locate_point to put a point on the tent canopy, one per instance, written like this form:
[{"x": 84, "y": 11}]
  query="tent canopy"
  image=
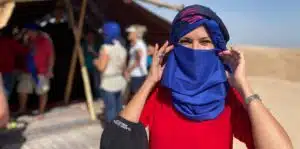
[{"x": 98, "y": 11}]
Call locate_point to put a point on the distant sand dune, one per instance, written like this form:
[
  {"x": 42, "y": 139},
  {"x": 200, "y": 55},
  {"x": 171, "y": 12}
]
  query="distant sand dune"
[
  {"x": 282, "y": 64},
  {"x": 275, "y": 75}
]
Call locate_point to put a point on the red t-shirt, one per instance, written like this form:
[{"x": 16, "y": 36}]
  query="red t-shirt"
[
  {"x": 10, "y": 51},
  {"x": 168, "y": 129},
  {"x": 43, "y": 52}
]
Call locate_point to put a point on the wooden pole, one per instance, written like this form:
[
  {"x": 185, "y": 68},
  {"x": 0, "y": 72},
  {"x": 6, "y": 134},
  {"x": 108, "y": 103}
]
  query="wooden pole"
[
  {"x": 84, "y": 72},
  {"x": 77, "y": 30},
  {"x": 70, "y": 79},
  {"x": 69, "y": 84},
  {"x": 164, "y": 4}
]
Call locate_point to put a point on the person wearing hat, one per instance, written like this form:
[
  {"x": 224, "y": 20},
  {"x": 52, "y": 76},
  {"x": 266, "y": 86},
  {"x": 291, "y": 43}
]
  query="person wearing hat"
[
  {"x": 136, "y": 71},
  {"x": 39, "y": 69},
  {"x": 199, "y": 98},
  {"x": 111, "y": 62}
]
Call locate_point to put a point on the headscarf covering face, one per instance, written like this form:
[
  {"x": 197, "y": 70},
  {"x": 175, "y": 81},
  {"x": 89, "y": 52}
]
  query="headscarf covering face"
[
  {"x": 111, "y": 31},
  {"x": 197, "y": 77}
]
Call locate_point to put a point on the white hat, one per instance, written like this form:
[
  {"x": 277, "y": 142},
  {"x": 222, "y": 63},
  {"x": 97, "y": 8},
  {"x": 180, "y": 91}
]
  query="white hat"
[{"x": 131, "y": 29}]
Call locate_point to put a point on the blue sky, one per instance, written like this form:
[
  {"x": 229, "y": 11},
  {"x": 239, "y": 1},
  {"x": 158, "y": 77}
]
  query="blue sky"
[{"x": 256, "y": 22}]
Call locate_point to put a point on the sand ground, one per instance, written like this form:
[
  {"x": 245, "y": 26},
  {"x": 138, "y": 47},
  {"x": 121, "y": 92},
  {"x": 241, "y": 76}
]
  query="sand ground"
[{"x": 275, "y": 75}]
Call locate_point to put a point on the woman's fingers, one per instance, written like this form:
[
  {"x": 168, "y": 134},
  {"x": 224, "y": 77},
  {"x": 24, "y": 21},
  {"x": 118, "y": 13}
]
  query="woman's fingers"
[
  {"x": 236, "y": 54},
  {"x": 155, "y": 60},
  {"x": 225, "y": 56},
  {"x": 169, "y": 48},
  {"x": 228, "y": 57},
  {"x": 163, "y": 48},
  {"x": 156, "y": 49},
  {"x": 159, "y": 53}
]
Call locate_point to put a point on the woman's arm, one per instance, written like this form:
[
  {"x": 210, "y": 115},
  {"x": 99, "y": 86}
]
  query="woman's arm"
[
  {"x": 102, "y": 61},
  {"x": 134, "y": 108},
  {"x": 6, "y": 10},
  {"x": 266, "y": 131},
  {"x": 4, "y": 114}
]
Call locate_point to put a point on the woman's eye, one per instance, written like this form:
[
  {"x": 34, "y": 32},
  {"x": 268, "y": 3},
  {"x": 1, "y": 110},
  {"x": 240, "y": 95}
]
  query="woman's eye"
[
  {"x": 205, "y": 42},
  {"x": 185, "y": 41}
]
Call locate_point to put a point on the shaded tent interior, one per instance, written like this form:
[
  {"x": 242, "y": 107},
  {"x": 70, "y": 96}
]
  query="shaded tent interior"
[{"x": 98, "y": 11}]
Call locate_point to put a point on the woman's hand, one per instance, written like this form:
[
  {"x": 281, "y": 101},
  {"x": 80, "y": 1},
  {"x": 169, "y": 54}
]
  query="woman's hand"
[
  {"x": 236, "y": 61},
  {"x": 157, "y": 65}
]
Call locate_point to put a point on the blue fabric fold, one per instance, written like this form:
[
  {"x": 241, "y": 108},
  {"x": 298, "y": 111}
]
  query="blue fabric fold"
[{"x": 198, "y": 82}]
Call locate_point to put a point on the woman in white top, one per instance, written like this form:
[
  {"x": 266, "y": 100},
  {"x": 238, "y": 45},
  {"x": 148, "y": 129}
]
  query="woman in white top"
[
  {"x": 112, "y": 59},
  {"x": 137, "y": 68}
]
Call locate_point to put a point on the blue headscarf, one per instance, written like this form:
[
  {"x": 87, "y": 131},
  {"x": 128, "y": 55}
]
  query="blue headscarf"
[
  {"x": 197, "y": 78},
  {"x": 111, "y": 31},
  {"x": 31, "y": 26}
]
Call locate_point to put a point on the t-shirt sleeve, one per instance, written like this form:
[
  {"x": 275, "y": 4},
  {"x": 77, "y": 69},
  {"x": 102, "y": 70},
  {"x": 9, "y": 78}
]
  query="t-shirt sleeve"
[
  {"x": 149, "y": 109},
  {"x": 123, "y": 134},
  {"x": 240, "y": 121}
]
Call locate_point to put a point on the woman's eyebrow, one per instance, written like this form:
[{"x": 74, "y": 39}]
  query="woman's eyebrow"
[
  {"x": 204, "y": 38},
  {"x": 185, "y": 38}
]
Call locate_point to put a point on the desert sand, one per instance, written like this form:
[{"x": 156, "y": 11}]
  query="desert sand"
[{"x": 275, "y": 75}]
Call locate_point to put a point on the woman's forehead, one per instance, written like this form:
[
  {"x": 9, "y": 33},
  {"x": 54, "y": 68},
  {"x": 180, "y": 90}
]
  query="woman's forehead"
[{"x": 199, "y": 32}]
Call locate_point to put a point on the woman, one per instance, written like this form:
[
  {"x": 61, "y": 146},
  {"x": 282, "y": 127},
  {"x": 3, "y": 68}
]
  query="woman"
[
  {"x": 203, "y": 98},
  {"x": 111, "y": 62},
  {"x": 137, "y": 69}
]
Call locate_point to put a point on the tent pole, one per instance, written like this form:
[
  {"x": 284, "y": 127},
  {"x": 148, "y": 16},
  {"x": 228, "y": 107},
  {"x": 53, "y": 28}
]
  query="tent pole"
[
  {"x": 77, "y": 30},
  {"x": 69, "y": 84},
  {"x": 84, "y": 72}
]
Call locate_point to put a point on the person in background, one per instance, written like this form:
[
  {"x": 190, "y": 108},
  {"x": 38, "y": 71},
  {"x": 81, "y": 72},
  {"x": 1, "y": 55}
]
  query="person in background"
[
  {"x": 150, "y": 52},
  {"x": 11, "y": 50},
  {"x": 91, "y": 49},
  {"x": 111, "y": 63},
  {"x": 136, "y": 71},
  {"x": 36, "y": 76}
]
